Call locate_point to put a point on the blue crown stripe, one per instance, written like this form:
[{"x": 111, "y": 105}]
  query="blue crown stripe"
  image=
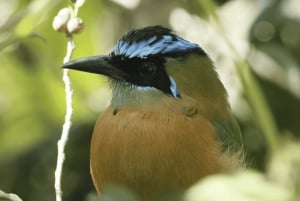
[{"x": 157, "y": 44}]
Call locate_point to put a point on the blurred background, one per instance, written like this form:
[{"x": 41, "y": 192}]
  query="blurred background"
[{"x": 255, "y": 45}]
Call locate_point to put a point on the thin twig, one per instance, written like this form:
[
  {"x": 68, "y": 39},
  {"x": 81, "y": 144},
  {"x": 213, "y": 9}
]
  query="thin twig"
[{"x": 67, "y": 124}]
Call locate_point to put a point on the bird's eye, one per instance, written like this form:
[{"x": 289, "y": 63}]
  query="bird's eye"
[{"x": 147, "y": 69}]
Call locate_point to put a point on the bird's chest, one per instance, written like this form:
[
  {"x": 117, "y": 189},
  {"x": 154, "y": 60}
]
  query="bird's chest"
[{"x": 152, "y": 151}]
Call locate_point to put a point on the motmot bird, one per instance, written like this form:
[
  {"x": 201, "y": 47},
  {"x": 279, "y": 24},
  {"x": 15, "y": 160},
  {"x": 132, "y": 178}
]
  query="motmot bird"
[{"x": 169, "y": 123}]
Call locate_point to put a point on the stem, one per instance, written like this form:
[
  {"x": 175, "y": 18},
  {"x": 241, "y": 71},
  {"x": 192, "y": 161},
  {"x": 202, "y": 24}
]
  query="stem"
[
  {"x": 259, "y": 105},
  {"x": 254, "y": 95},
  {"x": 67, "y": 124},
  {"x": 250, "y": 86}
]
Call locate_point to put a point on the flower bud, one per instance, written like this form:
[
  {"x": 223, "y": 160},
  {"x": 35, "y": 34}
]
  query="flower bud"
[
  {"x": 75, "y": 25},
  {"x": 61, "y": 19}
]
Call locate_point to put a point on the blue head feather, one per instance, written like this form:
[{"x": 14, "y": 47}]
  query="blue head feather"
[{"x": 154, "y": 40}]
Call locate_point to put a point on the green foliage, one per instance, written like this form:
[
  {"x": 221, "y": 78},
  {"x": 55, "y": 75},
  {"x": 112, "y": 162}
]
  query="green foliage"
[{"x": 32, "y": 102}]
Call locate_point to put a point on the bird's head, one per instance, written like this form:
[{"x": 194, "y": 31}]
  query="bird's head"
[{"x": 152, "y": 62}]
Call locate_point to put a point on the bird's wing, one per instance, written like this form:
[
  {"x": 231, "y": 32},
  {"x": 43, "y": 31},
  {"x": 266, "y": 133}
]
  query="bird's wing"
[{"x": 229, "y": 134}]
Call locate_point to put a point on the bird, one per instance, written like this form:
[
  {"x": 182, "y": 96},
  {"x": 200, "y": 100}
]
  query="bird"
[{"x": 169, "y": 123}]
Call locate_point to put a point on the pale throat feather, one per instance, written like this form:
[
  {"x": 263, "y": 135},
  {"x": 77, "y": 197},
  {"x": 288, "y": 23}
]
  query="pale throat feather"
[{"x": 124, "y": 95}]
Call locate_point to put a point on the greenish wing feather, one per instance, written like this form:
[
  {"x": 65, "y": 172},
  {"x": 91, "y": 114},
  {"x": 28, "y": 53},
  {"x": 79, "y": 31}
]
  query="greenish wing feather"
[{"x": 229, "y": 134}]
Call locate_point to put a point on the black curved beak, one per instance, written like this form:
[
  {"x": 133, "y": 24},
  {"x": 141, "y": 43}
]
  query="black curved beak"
[{"x": 96, "y": 64}]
